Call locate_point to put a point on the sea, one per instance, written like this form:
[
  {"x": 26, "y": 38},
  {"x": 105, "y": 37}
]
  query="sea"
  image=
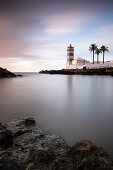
[{"x": 75, "y": 107}]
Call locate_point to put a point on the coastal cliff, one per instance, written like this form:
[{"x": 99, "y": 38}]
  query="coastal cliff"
[
  {"x": 4, "y": 73},
  {"x": 23, "y": 145},
  {"x": 84, "y": 71}
]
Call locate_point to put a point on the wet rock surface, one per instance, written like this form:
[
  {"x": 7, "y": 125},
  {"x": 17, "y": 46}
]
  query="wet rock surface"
[
  {"x": 5, "y": 137},
  {"x": 4, "y": 73},
  {"x": 23, "y": 145}
]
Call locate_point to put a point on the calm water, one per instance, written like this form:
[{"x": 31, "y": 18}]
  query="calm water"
[{"x": 75, "y": 107}]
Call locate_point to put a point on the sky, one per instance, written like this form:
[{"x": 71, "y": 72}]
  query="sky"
[{"x": 35, "y": 34}]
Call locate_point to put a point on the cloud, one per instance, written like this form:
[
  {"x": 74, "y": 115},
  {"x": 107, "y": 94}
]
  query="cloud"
[
  {"x": 105, "y": 34},
  {"x": 101, "y": 36},
  {"x": 14, "y": 36},
  {"x": 36, "y": 33},
  {"x": 47, "y": 51},
  {"x": 65, "y": 23}
]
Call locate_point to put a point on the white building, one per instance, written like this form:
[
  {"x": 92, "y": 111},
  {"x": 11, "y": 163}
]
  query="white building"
[{"x": 80, "y": 62}]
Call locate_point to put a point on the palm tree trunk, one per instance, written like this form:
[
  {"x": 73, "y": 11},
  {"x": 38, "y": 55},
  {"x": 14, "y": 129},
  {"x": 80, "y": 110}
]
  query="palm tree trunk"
[
  {"x": 93, "y": 57},
  {"x": 103, "y": 57},
  {"x": 97, "y": 58}
]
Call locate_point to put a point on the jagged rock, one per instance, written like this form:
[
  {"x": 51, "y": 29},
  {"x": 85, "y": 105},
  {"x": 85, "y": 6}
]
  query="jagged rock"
[
  {"x": 5, "y": 136},
  {"x": 31, "y": 166},
  {"x": 21, "y": 126},
  {"x": 33, "y": 148},
  {"x": 4, "y": 73},
  {"x": 84, "y": 156},
  {"x": 40, "y": 156}
]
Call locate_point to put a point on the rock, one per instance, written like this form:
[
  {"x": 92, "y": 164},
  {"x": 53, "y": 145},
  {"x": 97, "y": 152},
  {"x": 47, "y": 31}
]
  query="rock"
[
  {"x": 42, "y": 155},
  {"x": 84, "y": 71},
  {"x": 33, "y": 148},
  {"x": 31, "y": 166},
  {"x": 19, "y": 75},
  {"x": 21, "y": 126},
  {"x": 4, "y": 73},
  {"x": 85, "y": 156},
  {"x": 5, "y": 136}
]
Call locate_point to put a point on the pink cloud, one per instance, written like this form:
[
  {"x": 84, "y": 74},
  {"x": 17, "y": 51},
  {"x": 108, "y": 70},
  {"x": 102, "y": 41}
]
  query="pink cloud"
[{"x": 65, "y": 23}]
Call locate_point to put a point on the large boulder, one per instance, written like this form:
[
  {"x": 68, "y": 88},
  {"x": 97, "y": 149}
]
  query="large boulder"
[{"x": 84, "y": 156}]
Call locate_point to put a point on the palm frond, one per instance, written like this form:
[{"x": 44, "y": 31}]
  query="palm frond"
[
  {"x": 92, "y": 47},
  {"x": 103, "y": 48},
  {"x": 98, "y": 51}
]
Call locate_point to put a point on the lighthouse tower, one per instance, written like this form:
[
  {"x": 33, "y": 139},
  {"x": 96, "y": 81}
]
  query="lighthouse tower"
[{"x": 70, "y": 55}]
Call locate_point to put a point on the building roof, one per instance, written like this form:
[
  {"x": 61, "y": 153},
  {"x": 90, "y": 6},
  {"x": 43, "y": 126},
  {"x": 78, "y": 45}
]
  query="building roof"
[{"x": 79, "y": 58}]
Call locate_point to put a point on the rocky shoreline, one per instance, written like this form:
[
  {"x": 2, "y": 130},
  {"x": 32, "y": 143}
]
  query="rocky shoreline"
[
  {"x": 4, "y": 73},
  {"x": 23, "y": 145},
  {"x": 84, "y": 71}
]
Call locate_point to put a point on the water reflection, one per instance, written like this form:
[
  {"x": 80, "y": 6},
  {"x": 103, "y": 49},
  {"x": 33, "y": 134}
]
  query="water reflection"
[{"x": 76, "y": 107}]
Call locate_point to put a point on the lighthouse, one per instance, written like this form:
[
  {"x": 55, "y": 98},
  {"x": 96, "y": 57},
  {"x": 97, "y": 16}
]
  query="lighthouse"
[{"x": 70, "y": 55}]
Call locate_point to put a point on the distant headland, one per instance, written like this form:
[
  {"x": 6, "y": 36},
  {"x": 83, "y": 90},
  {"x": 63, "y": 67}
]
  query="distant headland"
[
  {"x": 84, "y": 71},
  {"x": 84, "y": 67},
  {"x": 80, "y": 63},
  {"x": 4, "y": 73}
]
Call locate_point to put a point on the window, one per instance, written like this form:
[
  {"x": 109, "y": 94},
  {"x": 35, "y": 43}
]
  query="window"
[{"x": 71, "y": 54}]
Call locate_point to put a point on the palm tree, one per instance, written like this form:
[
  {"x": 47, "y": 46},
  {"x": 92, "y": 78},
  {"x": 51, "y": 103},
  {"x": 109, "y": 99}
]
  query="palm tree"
[
  {"x": 103, "y": 50},
  {"x": 93, "y": 48},
  {"x": 98, "y": 51}
]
